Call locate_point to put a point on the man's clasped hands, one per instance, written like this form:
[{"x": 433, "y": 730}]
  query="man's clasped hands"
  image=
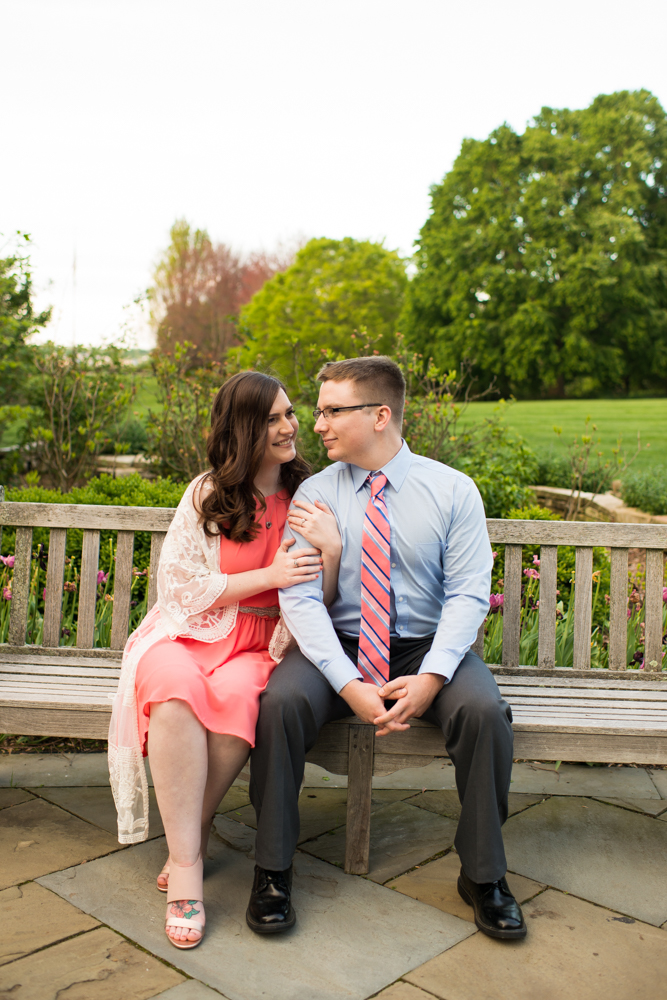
[{"x": 412, "y": 696}]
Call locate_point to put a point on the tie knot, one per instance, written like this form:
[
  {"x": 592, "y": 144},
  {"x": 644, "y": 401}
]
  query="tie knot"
[{"x": 378, "y": 481}]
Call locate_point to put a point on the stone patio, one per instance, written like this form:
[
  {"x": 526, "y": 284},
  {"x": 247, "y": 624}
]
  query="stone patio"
[{"x": 587, "y": 851}]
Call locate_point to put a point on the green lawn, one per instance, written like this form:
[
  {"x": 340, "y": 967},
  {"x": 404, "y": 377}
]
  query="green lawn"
[{"x": 614, "y": 418}]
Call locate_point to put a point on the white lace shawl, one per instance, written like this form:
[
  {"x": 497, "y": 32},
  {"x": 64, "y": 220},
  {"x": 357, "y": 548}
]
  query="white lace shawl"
[{"x": 189, "y": 581}]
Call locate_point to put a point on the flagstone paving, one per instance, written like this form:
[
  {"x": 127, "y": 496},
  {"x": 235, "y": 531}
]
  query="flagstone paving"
[
  {"x": 573, "y": 949},
  {"x": 33, "y": 917},
  {"x": 36, "y": 837},
  {"x": 96, "y": 805},
  {"x": 99, "y": 964},
  {"x": 401, "y": 836},
  {"x": 612, "y": 856},
  {"x": 352, "y": 937},
  {"x": 586, "y": 846},
  {"x": 435, "y": 884}
]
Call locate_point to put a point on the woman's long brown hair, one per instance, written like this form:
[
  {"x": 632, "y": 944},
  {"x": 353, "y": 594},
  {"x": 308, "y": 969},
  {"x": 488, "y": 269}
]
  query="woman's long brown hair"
[{"x": 235, "y": 448}]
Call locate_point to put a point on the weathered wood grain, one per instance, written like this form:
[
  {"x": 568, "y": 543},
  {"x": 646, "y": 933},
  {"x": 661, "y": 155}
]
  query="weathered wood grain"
[
  {"x": 583, "y": 584},
  {"x": 55, "y": 573},
  {"x": 388, "y": 763},
  {"x": 625, "y": 536},
  {"x": 618, "y": 610},
  {"x": 599, "y": 747},
  {"x": 121, "y": 589},
  {"x": 64, "y": 653},
  {"x": 512, "y": 605},
  {"x": 546, "y": 652},
  {"x": 655, "y": 569},
  {"x": 90, "y": 558},
  {"x": 93, "y": 516},
  {"x": 157, "y": 541},
  {"x": 359, "y": 786},
  {"x": 18, "y": 615},
  {"x": 75, "y": 721}
]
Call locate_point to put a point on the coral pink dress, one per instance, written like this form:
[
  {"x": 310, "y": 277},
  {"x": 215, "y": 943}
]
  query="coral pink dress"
[{"x": 221, "y": 681}]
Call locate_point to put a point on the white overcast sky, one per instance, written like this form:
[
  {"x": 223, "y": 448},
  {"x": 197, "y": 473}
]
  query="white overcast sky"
[{"x": 262, "y": 121}]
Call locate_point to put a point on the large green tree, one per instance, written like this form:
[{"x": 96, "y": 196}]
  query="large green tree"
[
  {"x": 18, "y": 320},
  {"x": 544, "y": 258},
  {"x": 333, "y": 288}
]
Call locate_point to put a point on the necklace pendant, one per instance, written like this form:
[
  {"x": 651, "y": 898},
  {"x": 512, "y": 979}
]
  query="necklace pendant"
[{"x": 268, "y": 524}]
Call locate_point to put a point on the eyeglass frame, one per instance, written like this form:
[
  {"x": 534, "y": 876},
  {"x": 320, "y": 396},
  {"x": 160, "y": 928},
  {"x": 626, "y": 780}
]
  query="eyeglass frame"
[{"x": 335, "y": 410}]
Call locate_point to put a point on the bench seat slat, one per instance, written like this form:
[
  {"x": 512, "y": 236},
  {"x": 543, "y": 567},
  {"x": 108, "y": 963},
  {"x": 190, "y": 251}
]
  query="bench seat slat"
[{"x": 57, "y": 671}]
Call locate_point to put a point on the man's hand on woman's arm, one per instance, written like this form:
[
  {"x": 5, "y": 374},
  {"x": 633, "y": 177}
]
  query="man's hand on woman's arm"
[{"x": 317, "y": 524}]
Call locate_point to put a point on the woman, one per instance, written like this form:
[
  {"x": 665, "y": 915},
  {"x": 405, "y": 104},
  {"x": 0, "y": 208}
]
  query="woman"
[{"x": 194, "y": 669}]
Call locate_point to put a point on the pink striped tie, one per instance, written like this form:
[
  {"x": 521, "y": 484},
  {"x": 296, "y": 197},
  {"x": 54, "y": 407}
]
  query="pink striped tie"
[{"x": 373, "y": 658}]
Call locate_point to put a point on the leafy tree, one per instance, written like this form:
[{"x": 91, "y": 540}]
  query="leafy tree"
[
  {"x": 199, "y": 287},
  {"x": 17, "y": 321},
  {"x": 545, "y": 256},
  {"x": 333, "y": 288}
]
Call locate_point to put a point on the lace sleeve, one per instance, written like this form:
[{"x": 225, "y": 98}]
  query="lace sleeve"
[{"x": 189, "y": 580}]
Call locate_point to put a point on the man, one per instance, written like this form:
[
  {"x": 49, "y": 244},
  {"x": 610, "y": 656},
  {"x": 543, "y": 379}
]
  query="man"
[{"x": 413, "y": 589}]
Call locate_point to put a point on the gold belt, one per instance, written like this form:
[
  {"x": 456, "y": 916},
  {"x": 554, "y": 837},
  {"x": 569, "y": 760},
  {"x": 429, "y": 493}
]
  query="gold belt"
[{"x": 272, "y": 612}]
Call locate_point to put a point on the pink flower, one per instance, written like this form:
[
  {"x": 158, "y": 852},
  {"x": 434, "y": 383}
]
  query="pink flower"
[
  {"x": 496, "y": 600},
  {"x": 8, "y": 561},
  {"x": 536, "y": 561},
  {"x": 664, "y": 594},
  {"x": 7, "y": 593},
  {"x": 495, "y": 555},
  {"x": 44, "y": 594},
  {"x": 102, "y": 577},
  {"x": 532, "y": 573}
]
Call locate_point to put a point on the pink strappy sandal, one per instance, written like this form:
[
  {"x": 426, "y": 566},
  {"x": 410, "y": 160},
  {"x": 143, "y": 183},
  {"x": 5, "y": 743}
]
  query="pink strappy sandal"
[{"x": 186, "y": 888}]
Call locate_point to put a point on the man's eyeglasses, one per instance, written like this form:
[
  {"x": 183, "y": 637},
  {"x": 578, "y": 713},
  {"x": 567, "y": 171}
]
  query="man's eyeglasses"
[{"x": 332, "y": 411}]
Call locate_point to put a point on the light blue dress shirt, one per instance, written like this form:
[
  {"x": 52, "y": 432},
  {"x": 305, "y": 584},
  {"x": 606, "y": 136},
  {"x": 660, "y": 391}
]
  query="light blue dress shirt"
[{"x": 440, "y": 564}]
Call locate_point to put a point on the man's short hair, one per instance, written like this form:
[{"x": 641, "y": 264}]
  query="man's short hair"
[{"x": 380, "y": 376}]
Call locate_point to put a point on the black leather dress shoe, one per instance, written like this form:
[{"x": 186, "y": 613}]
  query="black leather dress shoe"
[
  {"x": 497, "y": 912},
  {"x": 270, "y": 908}
]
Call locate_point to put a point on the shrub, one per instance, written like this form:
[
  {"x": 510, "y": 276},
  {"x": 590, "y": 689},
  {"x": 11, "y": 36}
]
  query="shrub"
[
  {"x": 556, "y": 470},
  {"x": 647, "y": 490},
  {"x": 77, "y": 396}
]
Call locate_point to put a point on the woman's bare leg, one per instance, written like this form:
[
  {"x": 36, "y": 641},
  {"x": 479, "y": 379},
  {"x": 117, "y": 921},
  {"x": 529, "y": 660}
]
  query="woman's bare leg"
[
  {"x": 226, "y": 756},
  {"x": 179, "y": 766}
]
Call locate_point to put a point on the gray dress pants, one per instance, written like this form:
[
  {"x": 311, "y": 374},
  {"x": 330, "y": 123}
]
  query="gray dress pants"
[{"x": 475, "y": 721}]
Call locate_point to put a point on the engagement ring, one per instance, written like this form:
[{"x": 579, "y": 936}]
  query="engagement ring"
[{"x": 296, "y": 563}]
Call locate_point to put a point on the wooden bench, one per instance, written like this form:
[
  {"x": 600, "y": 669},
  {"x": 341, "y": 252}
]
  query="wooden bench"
[{"x": 560, "y": 713}]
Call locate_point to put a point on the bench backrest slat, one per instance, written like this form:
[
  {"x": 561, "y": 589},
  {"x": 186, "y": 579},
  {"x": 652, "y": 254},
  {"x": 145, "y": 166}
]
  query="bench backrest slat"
[
  {"x": 512, "y": 534},
  {"x": 629, "y": 536},
  {"x": 55, "y": 574},
  {"x": 618, "y": 610},
  {"x": 546, "y": 649},
  {"x": 512, "y": 605},
  {"x": 653, "y": 609},
  {"x": 18, "y": 616},
  {"x": 121, "y": 589},
  {"x": 583, "y": 603},
  {"x": 157, "y": 541},
  {"x": 90, "y": 561}
]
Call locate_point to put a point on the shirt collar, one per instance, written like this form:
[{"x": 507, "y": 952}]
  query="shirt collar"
[{"x": 395, "y": 470}]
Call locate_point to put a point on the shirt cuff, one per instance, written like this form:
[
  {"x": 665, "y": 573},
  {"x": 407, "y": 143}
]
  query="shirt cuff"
[
  {"x": 439, "y": 661},
  {"x": 340, "y": 672}
]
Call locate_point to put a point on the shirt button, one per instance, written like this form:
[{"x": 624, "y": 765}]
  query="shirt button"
[
  {"x": 401, "y": 627},
  {"x": 393, "y": 565},
  {"x": 400, "y": 598}
]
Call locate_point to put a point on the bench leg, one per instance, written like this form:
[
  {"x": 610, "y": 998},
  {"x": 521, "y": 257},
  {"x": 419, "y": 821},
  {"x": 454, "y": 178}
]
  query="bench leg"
[{"x": 359, "y": 784}]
